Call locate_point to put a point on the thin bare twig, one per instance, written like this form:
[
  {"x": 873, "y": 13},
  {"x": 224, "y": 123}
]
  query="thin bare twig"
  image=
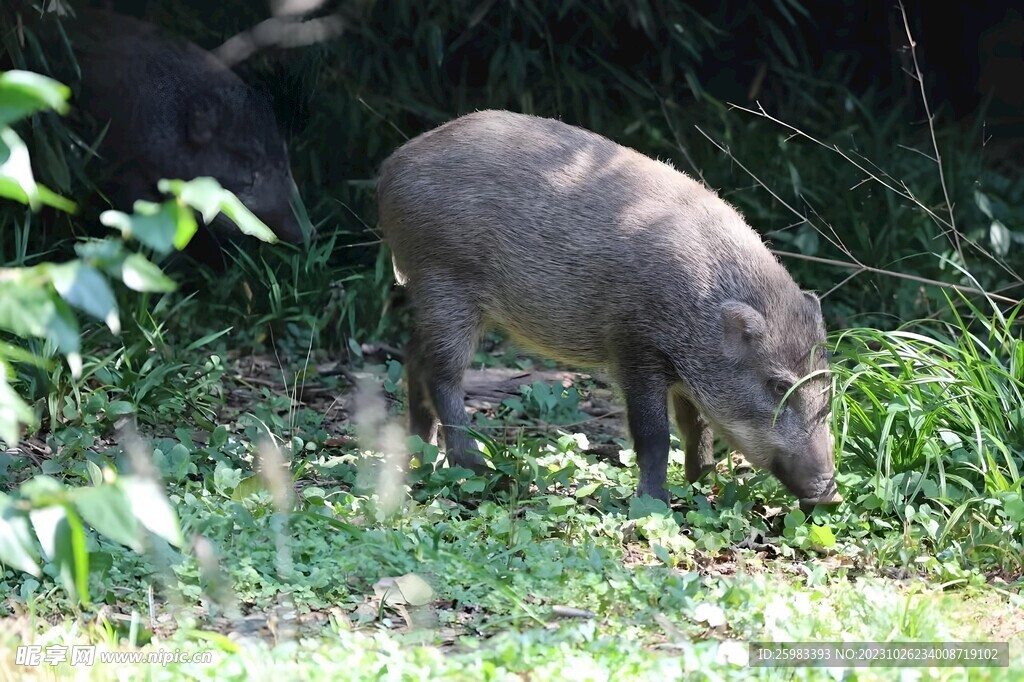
[
  {"x": 856, "y": 164},
  {"x": 856, "y": 264},
  {"x": 931, "y": 130},
  {"x": 893, "y": 273},
  {"x": 839, "y": 245},
  {"x": 881, "y": 177}
]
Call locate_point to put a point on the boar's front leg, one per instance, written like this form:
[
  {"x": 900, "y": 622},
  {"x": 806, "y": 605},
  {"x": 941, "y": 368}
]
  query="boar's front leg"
[
  {"x": 647, "y": 413},
  {"x": 698, "y": 440}
]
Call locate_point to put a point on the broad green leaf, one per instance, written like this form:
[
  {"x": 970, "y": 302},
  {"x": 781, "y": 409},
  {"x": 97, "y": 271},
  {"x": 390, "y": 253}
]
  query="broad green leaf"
[
  {"x": 186, "y": 226},
  {"x": 983, "y": 203},
  {"x": 16, "y": 179},
  {"x": 202, "y": 194},
  {"x": 415, "y": 589},
  {"x": 640, "y": 507},
  {"x": 429, "y": 453},
  {"x": 471, "y": 485},
  {"x": 245, "y": 219},
  {"x": 1000, "y": 238},
  {"x": 154, "y": 225},
  {"x": 100, "y": 563},
  {"x": 822, "y": 536},
  {"x": 226, "y": 478},
  {"x": 794, "y": 518},
  {"x": 105, "y": 254},
  {"x": 13, "y": 412},
  {"x": 95, "y": 473},
  {"x": 62, "y": 539},
  {"x": 151, "y": 508},
  {"x": 219, "y": 436},
  {"x": 17, "y": 540},
  {"x": 1014, "y": 506},
  {"x": 107, "y": 509},
  {"x": 85, "y": 288},
  {"x": 248, "y": 486},
  {"x": 405, "y": 589},
  {"x": 558, "y": 503},
  {"x": 28, "y": 308},
  {"x": 139, "y": 274},
  {"x": 22, "y": 93},
  {"x": 208, "y": 197},
  {"x": 48, "y": 197},
  {"x": 176, "y": 464},
  {"x": 45, "y": 523},
  {"x": 119, "y": 408},
  {"x": 42, "y": 491}
]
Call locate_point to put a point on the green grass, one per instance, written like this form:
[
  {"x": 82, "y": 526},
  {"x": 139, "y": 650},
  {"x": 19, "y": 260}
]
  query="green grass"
[
  {"x": 495, "y": 569},
  {"x": 926, "y": 548}
]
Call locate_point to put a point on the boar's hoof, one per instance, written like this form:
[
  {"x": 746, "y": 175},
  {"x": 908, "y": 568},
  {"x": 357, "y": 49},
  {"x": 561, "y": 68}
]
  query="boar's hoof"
[
  {"x": 473, "y": 461},
  {"x": 833, "y": 500},
  {"x": 694, "y": 474}
]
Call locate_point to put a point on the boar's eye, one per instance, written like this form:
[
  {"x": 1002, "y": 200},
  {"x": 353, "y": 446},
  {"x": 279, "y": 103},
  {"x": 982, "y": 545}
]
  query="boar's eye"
[{"x": 779, "y": 387}]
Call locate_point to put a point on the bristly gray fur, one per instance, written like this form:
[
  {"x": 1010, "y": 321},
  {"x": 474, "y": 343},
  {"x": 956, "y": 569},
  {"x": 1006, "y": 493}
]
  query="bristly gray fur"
[{"x": 596, "y": 255}]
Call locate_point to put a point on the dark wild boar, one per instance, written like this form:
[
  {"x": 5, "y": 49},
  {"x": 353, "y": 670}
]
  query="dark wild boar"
[
  {"x": 175, "y": 111},
  {"x": 593, "y": 254}
]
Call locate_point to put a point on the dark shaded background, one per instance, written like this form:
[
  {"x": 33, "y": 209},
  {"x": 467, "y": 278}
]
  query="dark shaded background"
[{"x": 647, "y": 73}]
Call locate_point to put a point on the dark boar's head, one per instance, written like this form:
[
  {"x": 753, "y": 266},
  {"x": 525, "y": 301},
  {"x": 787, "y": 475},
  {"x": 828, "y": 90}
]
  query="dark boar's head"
[{"x": 175, "y": 111}]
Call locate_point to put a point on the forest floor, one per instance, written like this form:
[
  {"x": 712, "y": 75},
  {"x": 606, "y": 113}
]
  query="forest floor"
[{"x": 345, "y": 565}]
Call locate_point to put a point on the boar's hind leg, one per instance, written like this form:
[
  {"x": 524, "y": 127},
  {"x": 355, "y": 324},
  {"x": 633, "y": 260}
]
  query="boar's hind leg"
[
  {"x": 422, "y": 420},
  {"x": 447, "y": 329},
  {"x": 697, "y": 438},
  {"x": 647, "y": 413}
]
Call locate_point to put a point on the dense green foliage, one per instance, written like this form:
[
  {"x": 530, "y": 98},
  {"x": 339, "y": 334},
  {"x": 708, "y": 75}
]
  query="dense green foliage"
[{"x": 268, "y": 504}]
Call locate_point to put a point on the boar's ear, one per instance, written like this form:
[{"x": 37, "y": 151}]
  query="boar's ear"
[
  {"x": 813, "y": 301},
  {"x": 741, "y": 327},
  {"x": 202, "y": 120}
]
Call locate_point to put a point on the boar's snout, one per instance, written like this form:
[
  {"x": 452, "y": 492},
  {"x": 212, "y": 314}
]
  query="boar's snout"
[{"x": 811, "y": 476}]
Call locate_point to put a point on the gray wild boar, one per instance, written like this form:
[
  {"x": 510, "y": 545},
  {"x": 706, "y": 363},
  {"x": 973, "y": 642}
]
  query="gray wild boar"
[
  {"x": 175, "y": 111},
  {"x": 593, "y": 254}
]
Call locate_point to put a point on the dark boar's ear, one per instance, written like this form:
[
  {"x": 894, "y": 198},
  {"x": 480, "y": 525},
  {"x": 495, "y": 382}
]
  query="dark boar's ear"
[
  {"x": 742, "y": 326},
  {"x": 202, "y": 120}
]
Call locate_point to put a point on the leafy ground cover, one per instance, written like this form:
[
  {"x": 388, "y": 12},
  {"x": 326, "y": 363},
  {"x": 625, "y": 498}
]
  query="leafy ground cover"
[{"x": 309, "y": 552}]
